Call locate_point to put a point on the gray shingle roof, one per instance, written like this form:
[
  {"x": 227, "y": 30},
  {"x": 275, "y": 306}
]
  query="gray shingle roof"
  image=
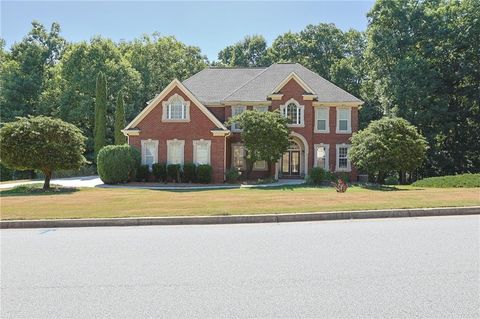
[{"x": 216, "y": 85}]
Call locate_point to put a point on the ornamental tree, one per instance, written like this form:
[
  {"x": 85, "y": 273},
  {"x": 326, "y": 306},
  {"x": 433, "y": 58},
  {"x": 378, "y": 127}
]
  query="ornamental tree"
[
  {"x": 265, "y": 136},
  {"x": 119, "y": 124},
  {"x": 42, "y": 143},
  {"x": 100, "y": 129},
  {"x": 388, "y": 145}
]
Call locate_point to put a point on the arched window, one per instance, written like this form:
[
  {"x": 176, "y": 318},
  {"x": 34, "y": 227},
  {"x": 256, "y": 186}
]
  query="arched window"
[
  {"x": 294, "y": 112},
  {"x": 176, "y": 109}
]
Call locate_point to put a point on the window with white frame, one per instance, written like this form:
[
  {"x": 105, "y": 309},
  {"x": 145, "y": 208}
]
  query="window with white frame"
[
  {"x": 175, "y": 151},
  {"x": 176, "y": 109},
  {"x": 321, "y": 156},
  {"x": 236, "y": 110},
  {"x": 201, "y": 152},
  {"x": 344, "y": 120},
  {"x": 260, "y": 108},
  {"x": 294, "y": 112},
  {"x": 321, "y": 120},
  {"x": 149, "y": 152},
  {"x": 238, "y": 156},
  {"x": 343, "y": 163},
  {"x": 260, "y": 166}
]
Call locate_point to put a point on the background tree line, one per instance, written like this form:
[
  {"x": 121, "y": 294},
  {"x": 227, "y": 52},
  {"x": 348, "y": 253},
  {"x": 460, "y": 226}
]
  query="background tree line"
[{"x": 419, "y": 60}]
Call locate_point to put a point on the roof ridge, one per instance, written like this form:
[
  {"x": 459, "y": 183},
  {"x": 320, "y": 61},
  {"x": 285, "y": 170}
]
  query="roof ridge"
[
  {"x": 236, "y": 67},
  {"x": 241, "y": 86}
]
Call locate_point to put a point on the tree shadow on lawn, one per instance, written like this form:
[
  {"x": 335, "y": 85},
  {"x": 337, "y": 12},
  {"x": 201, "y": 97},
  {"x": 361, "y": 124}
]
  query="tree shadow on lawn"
[
  {"x": 385, "y": 188},
  {"x": 37, "y": 190}
]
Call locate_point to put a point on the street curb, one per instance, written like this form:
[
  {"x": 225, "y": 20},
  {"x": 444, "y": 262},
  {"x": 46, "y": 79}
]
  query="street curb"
[{"x": 240, "y": 219}]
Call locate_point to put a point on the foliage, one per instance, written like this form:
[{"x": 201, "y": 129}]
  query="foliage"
[
  {"x": 232, "y": 175},
  {"x": 265, "y": 135},
  {"x": 36, "y": 189},
  {"x": 174, "y": 172},
  {"x": 204, "y": 173},
  {"x": 100, "y": 113},
  {"x": 41, "y": 143},
  {"x": 119, "y": 124},
  {"x": 189, "y": 172},
  {"x": 159, "y": 172},
  {"x": 423, "y": 59},
  {"x": 462, "y": 180},
  {"x": 117, "y": 163},
  {"x": 388, "y": 145},
  {"x": 143, "y": 172},
  {"x": 317, "y": 176},
  {"x": 250, "y": 52}
]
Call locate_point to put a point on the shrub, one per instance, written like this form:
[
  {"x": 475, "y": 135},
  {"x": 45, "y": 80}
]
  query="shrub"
[
  {"x": 173, "y": 172},
  {"x": 159, "y": 172},
  {"x": 317, "y": 176},
  {"x": 143, "y": 172},
  {"x": 117, "y": 163},
  {"x": 463, "y": 180},
  {"x": 189, "y": 172},
  {"x": 204, "y": 173},
  {"x": 391, "y": 180},
  {"x": 232, "y": 175},
  {"x": 340, "y": 186}
]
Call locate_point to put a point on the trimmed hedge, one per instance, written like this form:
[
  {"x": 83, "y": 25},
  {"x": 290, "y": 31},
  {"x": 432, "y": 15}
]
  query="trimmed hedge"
[
  {"x": 204, "y": 173},
  {"x": 463, "y": 180},
  {"x": 159, "y": 172},
  {"x": 174, "y": 172},
  {"x": 143, "y": 172},
  {"x": 189, "y": 170},
  {"x": 117, "y": 163}
]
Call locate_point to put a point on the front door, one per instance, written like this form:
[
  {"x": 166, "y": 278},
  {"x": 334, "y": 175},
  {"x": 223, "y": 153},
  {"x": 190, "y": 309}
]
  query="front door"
[{"x": 291, "y": 163}]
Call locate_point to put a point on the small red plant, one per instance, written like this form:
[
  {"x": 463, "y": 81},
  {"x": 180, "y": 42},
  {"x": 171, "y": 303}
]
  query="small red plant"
[{"x": 340, "y": 186}]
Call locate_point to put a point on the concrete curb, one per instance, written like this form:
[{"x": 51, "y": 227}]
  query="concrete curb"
[{"x": 240, "y": 219}]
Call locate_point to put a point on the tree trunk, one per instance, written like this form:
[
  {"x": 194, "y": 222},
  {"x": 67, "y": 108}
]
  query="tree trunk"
[
  {"x": 403, "y": 177},
  {"x": 46, "y": 183},
  {"x": 381, "y": 178}
]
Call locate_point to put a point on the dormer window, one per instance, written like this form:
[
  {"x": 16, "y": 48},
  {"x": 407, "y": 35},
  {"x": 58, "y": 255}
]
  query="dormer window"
[
  {"x": 176, "y": 109},
  {"x": 294, "y": 112}
]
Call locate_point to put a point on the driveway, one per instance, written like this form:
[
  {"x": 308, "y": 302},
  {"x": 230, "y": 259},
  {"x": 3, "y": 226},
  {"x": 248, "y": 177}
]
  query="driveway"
[
  {"x": 391, "y": 268},
  {"x": 81, "y": 181}
]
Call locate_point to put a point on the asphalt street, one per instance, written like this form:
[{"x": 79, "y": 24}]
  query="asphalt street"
[{"x": 390, "y": 268}]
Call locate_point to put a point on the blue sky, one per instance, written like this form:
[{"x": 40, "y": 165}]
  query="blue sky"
[{"x": 209, "y": 25}]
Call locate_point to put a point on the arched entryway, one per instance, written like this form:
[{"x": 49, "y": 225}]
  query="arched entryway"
[{"x": 293, "y": 163}]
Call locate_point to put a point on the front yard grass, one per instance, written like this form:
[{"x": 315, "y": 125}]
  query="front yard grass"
[{"x": 104, "y": 202}]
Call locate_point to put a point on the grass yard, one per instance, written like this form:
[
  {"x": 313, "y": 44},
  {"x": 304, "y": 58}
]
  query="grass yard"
[{"x": 102, "y": 202}]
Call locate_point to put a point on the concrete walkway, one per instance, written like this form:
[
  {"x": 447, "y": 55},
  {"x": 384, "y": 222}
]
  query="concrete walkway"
[{"x": 95, "y": 181}]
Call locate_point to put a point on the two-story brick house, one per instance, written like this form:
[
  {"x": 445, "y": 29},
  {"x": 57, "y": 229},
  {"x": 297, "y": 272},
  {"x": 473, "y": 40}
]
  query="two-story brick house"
[{"x": 185, "y": 122}]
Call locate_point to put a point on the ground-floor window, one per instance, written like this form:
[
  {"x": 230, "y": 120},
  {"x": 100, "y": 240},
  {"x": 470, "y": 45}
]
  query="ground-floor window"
[
  {"x": 201, "y": 152},
  {"x": 321, "y": 156},
  {"x": 343, "y": 164},
  {"x": 175, "y": 151},
  {"x": 238, "y": 156},
  {"x": 260, "y": 166},
  {"x": 149, "y": 152}
]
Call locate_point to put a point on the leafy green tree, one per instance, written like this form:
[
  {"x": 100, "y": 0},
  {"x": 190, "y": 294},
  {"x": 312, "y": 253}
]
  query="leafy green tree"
[
  {"x": 265, "y": 136},
  {"x": 100, "y": 113},
  {"x": 250, "y": 52},
  {"x": 26, "y": 71},
  {"x": 119, "y": 120},
  {"x": 388, "y": 145},
  {"x": 41, "y": 143}
]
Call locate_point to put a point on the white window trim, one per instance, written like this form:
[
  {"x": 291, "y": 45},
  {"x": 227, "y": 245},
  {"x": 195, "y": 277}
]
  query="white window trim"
[
  {"x": 155, "y": 153},
  {"x": 244, "y": 167},
  {"x": 301, "y": 109},
  {"x": 349, "y": 125},
  {"x": 327, "y": 124},
  {"x": 165, "y": 109},
  {"x": 260, "y": 169},
  {"x": 244, "y": 108},
  {"x": 196, "y": 143},
  {"x": 327, "y": 155},
  {"x": 182, "y": 147},
  {"x": 258, "y": 107},
  {"x": 337, "y": 166}
]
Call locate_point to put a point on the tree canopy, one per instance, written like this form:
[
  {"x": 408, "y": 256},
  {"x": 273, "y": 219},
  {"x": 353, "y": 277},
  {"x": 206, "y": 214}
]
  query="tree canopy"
[{"x": 41, "y": 143}]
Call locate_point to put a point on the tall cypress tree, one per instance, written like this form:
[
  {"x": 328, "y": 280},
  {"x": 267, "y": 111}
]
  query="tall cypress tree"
[
  {"x": 119, "y": 120},
  {"x": 100, "y": 130}
]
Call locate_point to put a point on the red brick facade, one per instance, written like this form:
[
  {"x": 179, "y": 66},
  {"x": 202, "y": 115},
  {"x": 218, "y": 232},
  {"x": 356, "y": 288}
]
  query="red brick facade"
[{"x": 200, "y": 126}]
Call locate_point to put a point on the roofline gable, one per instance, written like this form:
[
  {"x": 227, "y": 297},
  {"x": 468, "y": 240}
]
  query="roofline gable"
[
  {"x": 297, "y": 79},
  {"x": 159, "y": 97}
]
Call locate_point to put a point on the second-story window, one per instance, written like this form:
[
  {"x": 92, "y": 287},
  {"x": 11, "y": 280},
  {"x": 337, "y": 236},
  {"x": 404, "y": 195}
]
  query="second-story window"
[
  {"x": 294, "y": 112},
  {"x": 236, "y": 110},
  {"x": 344, "y": 124},
  {"x": 176, "y": 110}
]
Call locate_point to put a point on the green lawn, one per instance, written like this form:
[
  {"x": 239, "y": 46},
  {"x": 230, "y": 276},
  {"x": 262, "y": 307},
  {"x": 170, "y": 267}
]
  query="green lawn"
[
  {"x": 103, "y": 202},
  {"x": 462, "y": 180}
]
